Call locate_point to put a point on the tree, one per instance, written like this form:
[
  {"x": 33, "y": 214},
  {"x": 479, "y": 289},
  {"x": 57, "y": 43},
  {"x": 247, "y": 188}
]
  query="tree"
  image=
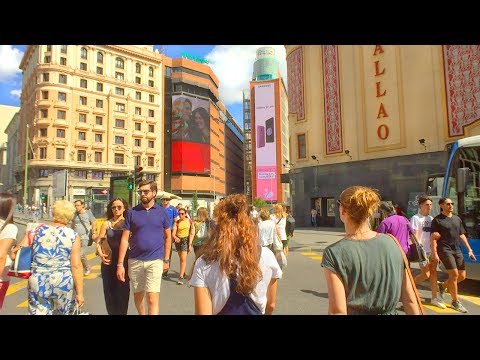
[
  {"x": 194, "y": 203},
  {"x": 259, "y": 203}
]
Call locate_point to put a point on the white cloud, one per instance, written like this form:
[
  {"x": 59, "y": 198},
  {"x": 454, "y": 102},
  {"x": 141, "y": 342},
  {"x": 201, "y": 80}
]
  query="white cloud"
[
  {"x": 10, "y": 58},
  {"x": 233, "y": 65},
  {"x": 16, "y": 93}
]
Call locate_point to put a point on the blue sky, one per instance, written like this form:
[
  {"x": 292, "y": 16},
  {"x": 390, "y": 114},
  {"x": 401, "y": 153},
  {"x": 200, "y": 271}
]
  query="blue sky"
[{"x": 233, "y": 65}]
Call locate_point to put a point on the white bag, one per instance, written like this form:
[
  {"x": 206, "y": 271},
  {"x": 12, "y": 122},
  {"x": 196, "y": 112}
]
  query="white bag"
[
  {"x": 281, "y": 259},
  {"x": 202, "y": 232},
  {"x": 277, "y": 244}
]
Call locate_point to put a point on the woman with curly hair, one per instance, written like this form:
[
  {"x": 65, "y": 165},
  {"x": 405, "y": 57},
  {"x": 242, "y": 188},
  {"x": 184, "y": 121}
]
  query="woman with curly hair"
[{"x": 234, "y": 261}]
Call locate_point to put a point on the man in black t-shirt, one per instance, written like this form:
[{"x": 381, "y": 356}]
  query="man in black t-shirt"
[{"x": 447, "y": 231}]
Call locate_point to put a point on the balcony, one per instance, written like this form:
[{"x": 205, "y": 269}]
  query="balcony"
[
  {"x": 60, "y": 123},
  {"x": 151, "y": 135},
  {"x": 99, "y": 128},
  {"x": 152, "y": 120},
  {"x": 98, "y": 145},
  {"x": 44, "y": 103},
  {"x": 82, "y": 144},
  {"x": 138, "y": 133},
  {"x": 151, "y": 151},
  {"x": 137, "y": 149},
  {"x": 82, "y": 126}
]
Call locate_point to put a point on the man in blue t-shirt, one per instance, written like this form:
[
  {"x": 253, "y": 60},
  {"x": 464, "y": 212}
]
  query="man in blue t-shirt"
[
  {"x": 172, "y": 216},
  {"x": 150, "y": 242}
]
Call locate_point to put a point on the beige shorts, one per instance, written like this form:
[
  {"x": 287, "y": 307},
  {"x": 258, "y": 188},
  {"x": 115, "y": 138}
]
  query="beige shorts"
[{"x": 145, "y": 275}]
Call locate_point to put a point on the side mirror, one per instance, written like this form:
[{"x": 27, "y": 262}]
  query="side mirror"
[{"x": 462, "y": 179}]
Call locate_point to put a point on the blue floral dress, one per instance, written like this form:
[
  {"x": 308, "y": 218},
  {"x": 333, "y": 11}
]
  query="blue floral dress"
[{"x": 51, "y": 287}]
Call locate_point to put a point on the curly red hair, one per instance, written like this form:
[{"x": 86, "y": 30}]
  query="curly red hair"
[{"x": 234, "y": 243}]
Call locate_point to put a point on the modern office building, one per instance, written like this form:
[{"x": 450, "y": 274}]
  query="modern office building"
[
  {"x": 91, "y": 112},
  {"x": 234, "y": 156},
  {"x": 269, "y": 129},
  {"x": 247, "y": 146},
  {"x": 7, "y": 115},
  {"x": 375, "y": 115}
]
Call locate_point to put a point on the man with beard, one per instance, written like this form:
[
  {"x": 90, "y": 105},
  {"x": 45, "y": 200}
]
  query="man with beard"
[{"x": 147, "y": 231}]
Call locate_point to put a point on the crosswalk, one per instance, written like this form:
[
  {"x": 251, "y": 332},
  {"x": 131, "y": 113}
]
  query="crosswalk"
[{"x": 467, "y": 299}]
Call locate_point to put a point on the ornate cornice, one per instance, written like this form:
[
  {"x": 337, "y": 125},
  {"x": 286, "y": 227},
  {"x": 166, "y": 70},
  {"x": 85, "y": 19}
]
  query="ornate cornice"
[{"x": 155, "y": 57}]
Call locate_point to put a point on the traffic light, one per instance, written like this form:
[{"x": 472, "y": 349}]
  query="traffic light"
[
  {"x": 130, "y": 184},
  {"x": 138, "y": 174},
  {"x": 43, "y": 197}
]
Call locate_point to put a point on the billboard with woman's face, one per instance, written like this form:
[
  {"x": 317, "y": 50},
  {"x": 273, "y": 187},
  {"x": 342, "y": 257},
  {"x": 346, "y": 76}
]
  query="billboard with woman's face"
[{"x": 190, "y": 134}]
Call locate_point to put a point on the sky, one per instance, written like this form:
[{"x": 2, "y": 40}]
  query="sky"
[{"x": 233, "y": 65}]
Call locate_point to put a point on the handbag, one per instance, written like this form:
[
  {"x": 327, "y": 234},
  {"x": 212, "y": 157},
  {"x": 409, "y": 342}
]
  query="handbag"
[
  {"x": 416, "y": 251},
  {"x": 281, "y": 259},
  {"x": 22, "y": 265},
  {"x": 277, "y": 243}
]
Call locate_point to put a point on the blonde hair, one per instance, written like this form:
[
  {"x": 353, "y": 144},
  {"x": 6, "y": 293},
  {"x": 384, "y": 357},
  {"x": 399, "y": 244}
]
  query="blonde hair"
[
  {"x": 360, "y": 202},
  {"x": 63, "y": 211},
  {"x": 202, "y": 214},
  {"x": 264, "y": 214},
  {"x": 278, "y": 211}
]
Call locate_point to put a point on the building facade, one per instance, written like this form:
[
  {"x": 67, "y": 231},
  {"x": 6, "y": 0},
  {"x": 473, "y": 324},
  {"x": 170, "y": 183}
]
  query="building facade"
[
  {"x": 234, "y": 157},
  {"x": 247, "y": 146},
  {"x": 375, "y": 115},
  {"x": 94, "y": 111},
  {"x": 7, "y": 114},
  {"x": 13, "y": 156}
]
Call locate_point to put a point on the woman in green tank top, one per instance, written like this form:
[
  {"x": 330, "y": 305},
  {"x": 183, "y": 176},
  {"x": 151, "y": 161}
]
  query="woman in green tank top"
[{"x": 365, "y": 271}]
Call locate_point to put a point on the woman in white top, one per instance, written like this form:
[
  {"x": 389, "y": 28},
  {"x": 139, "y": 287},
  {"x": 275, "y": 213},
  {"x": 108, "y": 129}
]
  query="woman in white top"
[
  {"x": 234, "y": 252},
  {"x": 279, "y": 217},
  {"x": 8, "y": 235}
]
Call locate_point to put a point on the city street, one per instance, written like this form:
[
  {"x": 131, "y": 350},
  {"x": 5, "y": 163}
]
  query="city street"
[{"x": 302, "y": 291}]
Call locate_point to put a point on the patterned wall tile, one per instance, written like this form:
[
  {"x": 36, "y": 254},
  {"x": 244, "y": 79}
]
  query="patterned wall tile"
[{"x": 296, "y": 104}]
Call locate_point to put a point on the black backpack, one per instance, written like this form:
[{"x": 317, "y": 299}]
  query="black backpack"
[{"x": 290, "y": 226}]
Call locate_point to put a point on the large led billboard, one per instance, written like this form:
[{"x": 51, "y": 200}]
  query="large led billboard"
[
  {"x": 190, "y": 134},
  {"x": 266, "y": 147}
]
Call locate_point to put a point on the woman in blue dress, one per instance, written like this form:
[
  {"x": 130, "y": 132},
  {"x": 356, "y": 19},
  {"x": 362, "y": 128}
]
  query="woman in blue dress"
[{"x": 116, "y": 292}]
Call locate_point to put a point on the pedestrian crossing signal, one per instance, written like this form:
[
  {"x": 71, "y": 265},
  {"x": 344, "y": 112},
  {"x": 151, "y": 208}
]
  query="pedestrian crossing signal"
[{"x": 130, "y": 184}]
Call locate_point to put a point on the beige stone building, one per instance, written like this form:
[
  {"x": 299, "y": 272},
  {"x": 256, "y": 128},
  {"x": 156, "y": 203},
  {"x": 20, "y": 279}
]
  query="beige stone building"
[
  {"x": 93, "y": 110},
  {"x": 376, "y": 115},
  {"x": 6, "y": 115}
]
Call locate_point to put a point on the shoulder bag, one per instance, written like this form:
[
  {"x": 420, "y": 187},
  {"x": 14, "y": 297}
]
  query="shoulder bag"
[
  {"x": 22, "y": 265},
  {"x": 416, "y": 251},
  {"x": 89, "y": 232}
]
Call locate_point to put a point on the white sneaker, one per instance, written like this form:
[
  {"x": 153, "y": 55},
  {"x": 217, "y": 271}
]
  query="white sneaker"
[{"x": 438, "y": 303}]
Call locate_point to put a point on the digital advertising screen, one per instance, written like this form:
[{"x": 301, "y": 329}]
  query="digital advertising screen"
[
  {"x": 265, "y": 152},
  {"x": 190, "y": 134}
]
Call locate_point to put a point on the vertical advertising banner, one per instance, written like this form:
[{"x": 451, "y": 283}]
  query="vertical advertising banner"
[
  {"x": 266, "y": 149},
  {"x": 190, "y": 134}
]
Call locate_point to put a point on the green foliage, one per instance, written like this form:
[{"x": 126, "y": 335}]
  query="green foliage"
[
  {"x": 259, "y": 203},
  {"x": 194, "y": 202}
]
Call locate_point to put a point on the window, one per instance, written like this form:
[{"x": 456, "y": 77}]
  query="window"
[
  {"x": 83, "y": 83},
  {"x": 62, "y": 78},
  {"x": 119, "y": 91},
  {"x": 49, "y": 47},
  {"x": 138, "y": 68},
  {"x": 82, "y": 118},
  {"x": 46, "y": 77},
  {"x": 63, "y": 49},
  {"x": 82, "y": 174},
  {"x": 151, "y": 113},
  {"x": 150, "y": 83},
  {"x": 98, "y": 138},
  {"x": 42, "y": 132},
  {"x": 119, "y": 158},
  {"x": 99, "y": 86},
  {"x": 42, "y": 152},
  {"x": 61, "y": 114},
  {"x": 99, "y": 120},
  {"x": 120, "y": 107},
  {"x": 138, "y": 111},
  {"x": 83, "y": 100},
  {"x": 138, "y": 95},
  {"x": 99, "y": 103},
  {"x": 62, "y": 96},
  {"x": 44, "y": 95},
  {"x": 63, "y": 61},
  {"x": 99, "y": 57},
  {"x": 138, "y": 142},
  {"x": 83, "y": 66},
  {"x": 120, "y": 123},
  {"x": 81, "y": 155},
  {"x": 82, "y": 135},
  {"x": 138, "y": 126},
  {"x": 119, "y": 140},
  {"x": 150, "y": 71},
  {"x": 302, "y": 146},
  {"x": 119, "y": 75},
  {"x": 47, "y": 59},
  {"x": 151, "y": 128},
  {"x": 43, "y": 113},
  {"x": 151, "y": 144},
  {"x": 168, "y": 71},
  {"x": 119, "y": 63},
  {"x": 61, "y": 133},
  {"x": 150, "y": 160},
  {"x": 60, "y": 154},
  {"x": 97, "y": 174},
  {"x": 138, "y": 80},
  {"x": 151, "y": 98},
  {"x": 83, "y": 53},
  {"x": 44, "y": 172},
  {"x": 99, "y": 70},
  {"x": 138, "y": 160},
  {"x": 98, "y": 156}
]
